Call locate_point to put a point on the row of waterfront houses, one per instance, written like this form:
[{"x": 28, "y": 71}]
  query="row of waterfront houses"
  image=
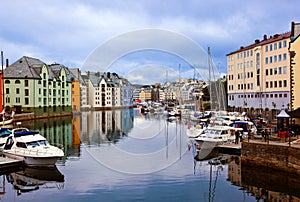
[
  {"x": 263, "y": 77},
  {"x": 31, "y": 85}
]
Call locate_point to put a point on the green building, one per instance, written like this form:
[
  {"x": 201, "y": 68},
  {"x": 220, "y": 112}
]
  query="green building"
[{"x": 30, "y": 85}]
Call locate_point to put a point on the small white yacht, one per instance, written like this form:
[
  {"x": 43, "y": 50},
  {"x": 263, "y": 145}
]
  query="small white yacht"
[
  {"x": 31, "y": 147},
  {"x": 215, "y": 135}
]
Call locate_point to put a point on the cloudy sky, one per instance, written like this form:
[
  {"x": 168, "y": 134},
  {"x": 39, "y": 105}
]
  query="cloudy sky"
[{"x": 68, "y": 32}]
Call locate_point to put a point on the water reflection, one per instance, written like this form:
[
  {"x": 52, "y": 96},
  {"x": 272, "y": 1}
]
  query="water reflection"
[
  {"x": 264, "y": 184},
  {"x": 129, "y": 142},
  {"x": 30, "y": 179}
]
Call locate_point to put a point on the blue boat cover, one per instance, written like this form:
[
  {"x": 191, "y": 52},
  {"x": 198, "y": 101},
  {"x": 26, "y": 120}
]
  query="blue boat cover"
[{"x": 22, "y": 133}]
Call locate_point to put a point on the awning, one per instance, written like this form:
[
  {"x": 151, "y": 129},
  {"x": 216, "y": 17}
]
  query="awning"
[{"x": 283, "y": 114}]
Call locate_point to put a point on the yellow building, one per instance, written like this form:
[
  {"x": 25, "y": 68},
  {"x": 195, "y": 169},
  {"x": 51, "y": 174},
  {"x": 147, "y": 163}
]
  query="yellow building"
[
  {"x": 259, "y": 75},
  {"x": 295, "y": 65},
  {"x": 145, "y": 94}
]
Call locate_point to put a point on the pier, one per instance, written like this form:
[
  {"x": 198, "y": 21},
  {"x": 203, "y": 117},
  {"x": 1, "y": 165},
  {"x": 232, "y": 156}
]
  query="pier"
[
  {"x": 8, "y": 163},
  {"x": 232, "y": 148}
]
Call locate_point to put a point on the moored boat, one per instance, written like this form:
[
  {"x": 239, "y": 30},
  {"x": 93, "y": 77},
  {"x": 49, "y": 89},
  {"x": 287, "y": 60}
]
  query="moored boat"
[
  {"x": 213, "y": 136},
  {"x": 31, "y": 147}
]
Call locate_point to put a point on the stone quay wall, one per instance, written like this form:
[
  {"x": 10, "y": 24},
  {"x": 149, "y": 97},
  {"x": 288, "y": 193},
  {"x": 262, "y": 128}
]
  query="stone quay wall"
[{"x": 271, "y": 156}]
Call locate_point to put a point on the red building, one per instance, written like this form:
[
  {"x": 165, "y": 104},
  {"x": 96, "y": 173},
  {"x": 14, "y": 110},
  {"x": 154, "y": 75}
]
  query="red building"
[{"x": 1, "y": 92}]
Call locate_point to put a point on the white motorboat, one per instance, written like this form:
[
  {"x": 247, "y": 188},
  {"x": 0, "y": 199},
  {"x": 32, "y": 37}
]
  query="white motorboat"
[
  {"x": 31, "y": 147},
  {"x": 216, "y": 135}
]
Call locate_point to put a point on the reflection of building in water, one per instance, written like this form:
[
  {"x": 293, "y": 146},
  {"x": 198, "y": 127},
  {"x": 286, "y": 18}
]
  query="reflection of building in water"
[
  {"x": 269, "y": 185},
  {"x": 263, "y": 183},
  {"x": 57, "y": 131},
  {"x": 105, "y": 126},
  {"x": 234, "y": 171}
]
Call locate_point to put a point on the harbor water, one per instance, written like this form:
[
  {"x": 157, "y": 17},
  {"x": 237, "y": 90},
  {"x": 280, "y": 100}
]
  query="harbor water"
[{"x": 122, "y": 155}]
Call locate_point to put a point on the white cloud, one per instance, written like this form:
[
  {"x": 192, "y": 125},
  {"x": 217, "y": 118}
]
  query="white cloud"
[{"x": 66, "y": 32}]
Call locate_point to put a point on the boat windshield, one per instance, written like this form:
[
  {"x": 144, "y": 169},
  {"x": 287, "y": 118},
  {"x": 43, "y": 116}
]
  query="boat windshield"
[
  {"x": 37, "y": 143},
  {"x": 43, "y": 143},
  {"x": 32, "y": 144}
]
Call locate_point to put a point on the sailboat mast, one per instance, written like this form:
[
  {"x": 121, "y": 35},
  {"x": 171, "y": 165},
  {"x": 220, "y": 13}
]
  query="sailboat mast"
[
  {"x": 2, "y": 80},
  {"x": 209, "y": 78}
]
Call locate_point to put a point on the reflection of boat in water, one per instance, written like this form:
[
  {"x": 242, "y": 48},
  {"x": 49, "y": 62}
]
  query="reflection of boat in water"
[
  {"x": 31, "y": 179},
  {"x": 31, "y": 147}
]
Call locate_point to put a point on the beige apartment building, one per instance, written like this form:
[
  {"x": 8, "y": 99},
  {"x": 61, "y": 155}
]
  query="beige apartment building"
[
  {"x": 295, "y": 65},
  {"x": 259, "y": 76}
]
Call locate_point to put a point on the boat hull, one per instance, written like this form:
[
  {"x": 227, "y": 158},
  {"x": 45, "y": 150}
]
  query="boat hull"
[{"x": 33, "y": 161}]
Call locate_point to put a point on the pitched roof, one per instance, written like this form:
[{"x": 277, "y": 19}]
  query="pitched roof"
[
  {"x": 265, "y": 40},
  {"x": 25, "y": 67}
]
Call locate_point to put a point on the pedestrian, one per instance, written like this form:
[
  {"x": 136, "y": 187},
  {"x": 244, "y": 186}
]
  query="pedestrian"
[
  {"x": 263, "y": 134},
  {"x": 237, "y": 136},
  {"x": 241, "y": 135}
]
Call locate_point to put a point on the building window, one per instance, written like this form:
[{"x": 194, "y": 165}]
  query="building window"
[
  {"x": 7, "y": 91},
  {"x": 44, "y": 76},
  {"x": 275, "y": 71},
  {"x": 280, "y": 84},
  {"x": 271, "y": 84},
  {"x": 279, "y": 44},
  {"x": 271, "y": 59},
  {"x": 275, "y": 84},
  {"x": 271, "y": 71},
  {"x": 26, "y": 83},
  {"x": 267, "y": 84},
  {"x": 26, "y": 101},
  {"x": 7, "y": 99},
  {"x": 275, "y": 58},
  {"x": 267, "y": 48},
  {"x": 17, "y": 82},
  {"x": 18, "y": 100},
  {"x": 279, "y": 70},
  {"x": 17, "y": 90},
  {"x": 284, "y": 83},
  {"x": 284, "y": 70},
  {"x": 284, "y": 56},
  {"x": 26, "y": 92},
  {"x": 267, "y": 72},
  {"x": 279, "y": 58},
  {"x": 267, "y": 60},
  {"x": 284, "y": 43},
  {"x": 275, "y": 46},
  {"x": 271, "y": 47}
]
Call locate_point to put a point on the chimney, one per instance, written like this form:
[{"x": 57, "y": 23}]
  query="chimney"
[
  {"x": 265, "y": 37},
  {"x": 7, "y": 63},
  {"x": 257, "y": 41}
]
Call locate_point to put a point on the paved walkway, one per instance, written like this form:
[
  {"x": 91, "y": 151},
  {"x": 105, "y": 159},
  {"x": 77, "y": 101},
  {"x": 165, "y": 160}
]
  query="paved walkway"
[{"x": 274, "y": 140}]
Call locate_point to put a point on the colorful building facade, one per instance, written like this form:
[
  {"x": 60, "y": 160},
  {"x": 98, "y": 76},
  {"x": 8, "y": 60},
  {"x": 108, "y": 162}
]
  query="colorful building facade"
[
  {"x": 259, "y": 75},
  {"x": 30, "y": 85}
]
